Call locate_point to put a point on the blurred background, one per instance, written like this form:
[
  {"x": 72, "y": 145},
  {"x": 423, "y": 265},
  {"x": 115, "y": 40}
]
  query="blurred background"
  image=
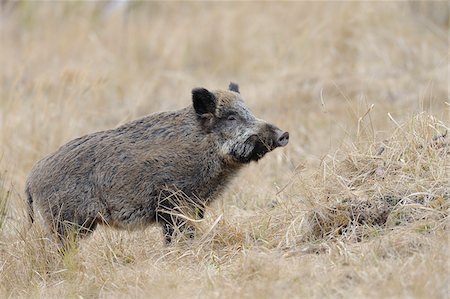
[
  {"x": 340, "y": 77},
  {"x": 314, "y": 69}
]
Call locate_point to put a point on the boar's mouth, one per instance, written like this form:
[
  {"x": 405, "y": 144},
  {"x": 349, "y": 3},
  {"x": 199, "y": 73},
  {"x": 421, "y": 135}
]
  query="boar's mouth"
[
  {"x": 253, "y": 149},
  {"x": 261, "y": 147}
]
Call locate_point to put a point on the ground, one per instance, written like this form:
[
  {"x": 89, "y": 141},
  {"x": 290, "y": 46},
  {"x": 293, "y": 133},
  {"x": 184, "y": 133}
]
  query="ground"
[{"x": 356, "y": 206}]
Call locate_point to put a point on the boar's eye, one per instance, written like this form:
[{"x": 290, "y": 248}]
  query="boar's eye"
[{"x": 231, "y": 117}]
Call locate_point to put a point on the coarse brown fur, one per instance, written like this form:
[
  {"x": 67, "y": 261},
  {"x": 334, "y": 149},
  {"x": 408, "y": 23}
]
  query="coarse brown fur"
[{"x": 124, "y": 176}]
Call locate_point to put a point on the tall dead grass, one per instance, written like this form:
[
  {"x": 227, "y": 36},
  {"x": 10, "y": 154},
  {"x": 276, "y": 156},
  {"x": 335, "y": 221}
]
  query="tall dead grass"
[{"x": 356, "y": 206}]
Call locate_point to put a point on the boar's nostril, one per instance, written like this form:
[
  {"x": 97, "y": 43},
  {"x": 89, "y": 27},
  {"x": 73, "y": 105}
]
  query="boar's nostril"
[{"x": 283, "y": 139}]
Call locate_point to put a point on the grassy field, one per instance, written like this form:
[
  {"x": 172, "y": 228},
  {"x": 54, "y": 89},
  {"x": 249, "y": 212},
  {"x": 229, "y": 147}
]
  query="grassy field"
[{"x": 356, "y": 206}]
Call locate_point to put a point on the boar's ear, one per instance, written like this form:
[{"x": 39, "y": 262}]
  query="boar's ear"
[
  {"x": 204, "y": 101},
  {"x": 233, "y": 87}
]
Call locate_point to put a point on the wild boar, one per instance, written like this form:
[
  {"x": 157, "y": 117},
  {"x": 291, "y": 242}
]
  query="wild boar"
[{"x": 123, "y": 177}]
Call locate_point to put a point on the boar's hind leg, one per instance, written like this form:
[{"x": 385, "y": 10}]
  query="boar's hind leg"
[{"x": 70, "y": 232}]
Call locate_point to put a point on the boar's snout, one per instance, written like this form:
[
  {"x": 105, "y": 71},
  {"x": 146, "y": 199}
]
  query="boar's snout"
[{"x": 282, "y": 138}]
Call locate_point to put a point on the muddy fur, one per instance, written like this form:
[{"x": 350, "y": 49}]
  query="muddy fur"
[{"x": 123, "y": 176}]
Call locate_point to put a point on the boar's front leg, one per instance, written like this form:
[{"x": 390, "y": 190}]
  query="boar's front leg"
[{"x": 172, "y": 224}]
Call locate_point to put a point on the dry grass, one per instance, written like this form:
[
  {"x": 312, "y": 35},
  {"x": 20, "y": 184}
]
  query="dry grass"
[{"x": 356, "y": 206}]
